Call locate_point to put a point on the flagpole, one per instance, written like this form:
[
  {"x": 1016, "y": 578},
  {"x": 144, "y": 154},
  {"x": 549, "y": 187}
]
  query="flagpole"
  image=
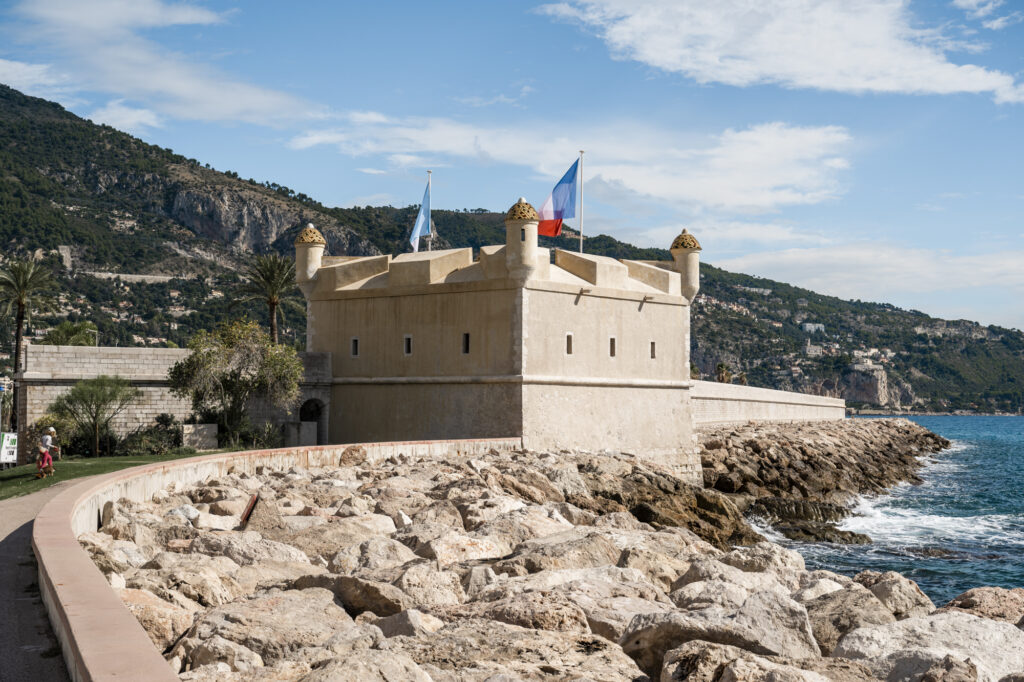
[
  {"x": 581, "y": 201},
  {"x": 430, "y": 227}
]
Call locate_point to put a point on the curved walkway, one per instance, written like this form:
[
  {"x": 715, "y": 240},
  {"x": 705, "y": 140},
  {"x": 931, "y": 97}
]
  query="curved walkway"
[{"x": 29, "y": 651}]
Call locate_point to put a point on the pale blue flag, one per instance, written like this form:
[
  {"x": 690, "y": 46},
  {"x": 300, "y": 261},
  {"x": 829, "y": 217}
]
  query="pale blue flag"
[{"x": 422, "y": 226}]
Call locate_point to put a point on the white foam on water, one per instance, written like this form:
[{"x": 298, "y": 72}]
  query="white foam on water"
[{"x": 893, "y": 525}]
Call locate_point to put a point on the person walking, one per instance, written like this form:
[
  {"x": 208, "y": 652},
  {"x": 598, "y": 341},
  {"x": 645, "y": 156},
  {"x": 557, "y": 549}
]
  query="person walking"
[{"x": 45, "y": 463}]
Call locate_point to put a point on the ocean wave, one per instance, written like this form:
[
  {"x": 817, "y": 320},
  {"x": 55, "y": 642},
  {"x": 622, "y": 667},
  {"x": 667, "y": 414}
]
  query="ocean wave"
[{"x": 888, "y": 525}]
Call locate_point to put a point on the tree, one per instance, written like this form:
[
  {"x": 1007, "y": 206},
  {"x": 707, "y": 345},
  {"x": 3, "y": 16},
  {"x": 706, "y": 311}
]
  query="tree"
[
  {"x": 270, "y": 279},
  {"x": 723, "y": 374},
  {"x": 231, "y": 366},
  {"x": 68, "y": 333},
  {"x": 92, "y": 404},
  {"x": 24, "y": 286}
]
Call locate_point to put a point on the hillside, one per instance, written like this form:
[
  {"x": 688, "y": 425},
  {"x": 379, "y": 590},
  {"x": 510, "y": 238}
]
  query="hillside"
[{"x": 95, "y": 202}]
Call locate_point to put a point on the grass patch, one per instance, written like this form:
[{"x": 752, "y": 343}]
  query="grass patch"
[{"x": 21, "y": 480}]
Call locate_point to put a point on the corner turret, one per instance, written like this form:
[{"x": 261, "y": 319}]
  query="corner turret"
[
  {"x": 685, "y": 251},
  {"x": 521, "y": 223},
  {"x": 309, "y": 253}
]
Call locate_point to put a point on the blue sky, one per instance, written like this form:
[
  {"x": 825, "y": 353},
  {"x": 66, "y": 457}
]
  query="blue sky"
[{"x": 868, "y": 149}]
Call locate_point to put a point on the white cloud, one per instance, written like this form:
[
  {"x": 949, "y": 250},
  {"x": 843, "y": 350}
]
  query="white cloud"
[
  {"x": 1002, "y": 22},
  {"x": 756, "y": 169},
  {"x": 126, "y": 118},
  {"x": 877, "y": 271},
  {"x": 479, "y": 101},
  {"x": 725, "y": 236},
  {"x": 372, "y": 171},
  {"x": 100, "y": 46},
  {"x": 858, "y": 47},
  {"x": 40, "y": 80},
  {"x": 978, "y": 8}
]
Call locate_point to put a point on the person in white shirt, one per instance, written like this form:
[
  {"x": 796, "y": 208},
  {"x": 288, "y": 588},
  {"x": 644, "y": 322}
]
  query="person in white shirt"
[{"x": 46, "y": 442}]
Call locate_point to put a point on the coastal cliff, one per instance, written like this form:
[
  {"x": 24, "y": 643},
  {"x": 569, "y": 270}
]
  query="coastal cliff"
[{"x": 802, "y": 478}]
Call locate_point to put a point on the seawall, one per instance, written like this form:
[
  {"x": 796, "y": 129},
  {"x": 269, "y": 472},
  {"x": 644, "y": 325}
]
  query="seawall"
[{"x": 716, "y": 404}]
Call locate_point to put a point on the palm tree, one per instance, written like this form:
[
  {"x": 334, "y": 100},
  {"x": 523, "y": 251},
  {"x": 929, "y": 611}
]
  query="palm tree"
[
  {"x": 24, "y": 286},
  {"x": 271, "y": 278},
  {"x": 723, "y": 374},
  {"x": 69, "y": 333}
]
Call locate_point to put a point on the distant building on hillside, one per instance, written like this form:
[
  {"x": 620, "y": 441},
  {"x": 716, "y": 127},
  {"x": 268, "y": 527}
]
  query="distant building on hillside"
[{"x": 811, "y": 327}]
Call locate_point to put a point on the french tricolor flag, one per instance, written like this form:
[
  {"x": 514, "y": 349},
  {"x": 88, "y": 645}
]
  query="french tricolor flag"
[{"x": 560, "y": 204}]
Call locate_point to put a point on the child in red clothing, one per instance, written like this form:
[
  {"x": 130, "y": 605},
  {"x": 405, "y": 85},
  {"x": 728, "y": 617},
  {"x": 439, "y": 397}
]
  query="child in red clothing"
[{"x": 44, "y": 464}]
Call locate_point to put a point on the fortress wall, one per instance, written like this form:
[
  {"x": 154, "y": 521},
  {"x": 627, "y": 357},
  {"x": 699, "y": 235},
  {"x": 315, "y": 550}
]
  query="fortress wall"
[
  {"x": 714, "y": 404},
  {"x": 650, "y": 421},
  {"x": 414, "y": 408},
  {"x": 51, "y": 371},
  {"x": 100, "y": 638}
]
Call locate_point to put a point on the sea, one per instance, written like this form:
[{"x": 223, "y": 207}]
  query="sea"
[{"x": 962, "y": 528}]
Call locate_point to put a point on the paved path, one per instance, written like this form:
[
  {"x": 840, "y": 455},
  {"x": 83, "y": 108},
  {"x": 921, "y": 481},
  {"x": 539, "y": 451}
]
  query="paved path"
[{"x": 29, "y": 652}]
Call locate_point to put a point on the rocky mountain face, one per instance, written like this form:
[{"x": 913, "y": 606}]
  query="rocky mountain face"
[{"x": 875, "y": 386}]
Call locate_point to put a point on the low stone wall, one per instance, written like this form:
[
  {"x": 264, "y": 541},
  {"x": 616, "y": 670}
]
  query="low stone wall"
[
  {"x": 100, "y": 638},
  {"x": 714, "y": 404},
  {"x": 51, "y": 371}
]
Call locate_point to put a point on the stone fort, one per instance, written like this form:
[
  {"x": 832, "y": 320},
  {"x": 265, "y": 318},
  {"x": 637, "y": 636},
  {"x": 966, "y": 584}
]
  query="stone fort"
[
  {"x": 557, "y": 350},
  {"x": 563, "y": 350}
]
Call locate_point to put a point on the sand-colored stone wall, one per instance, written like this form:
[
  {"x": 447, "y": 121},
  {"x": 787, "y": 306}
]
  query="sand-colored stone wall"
[
  {"x": 51, "y": 371},
  {"x": 714, "y": 404}
]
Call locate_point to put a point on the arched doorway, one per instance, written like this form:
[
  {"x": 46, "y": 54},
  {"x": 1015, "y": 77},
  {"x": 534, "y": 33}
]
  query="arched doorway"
[{"x": 313, "y": 411}]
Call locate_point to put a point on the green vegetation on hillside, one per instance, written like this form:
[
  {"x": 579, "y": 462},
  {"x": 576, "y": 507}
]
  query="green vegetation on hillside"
[{"x": 125, "y": 206}]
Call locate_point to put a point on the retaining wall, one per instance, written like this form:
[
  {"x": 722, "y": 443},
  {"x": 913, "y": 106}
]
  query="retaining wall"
[
  {"x": 715, "y": 404},
  {"x": 100, "y": 638},
  {"x": 51, "y": 371}
]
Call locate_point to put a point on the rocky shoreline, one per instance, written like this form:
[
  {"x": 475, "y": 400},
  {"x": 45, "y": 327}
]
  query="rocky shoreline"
[
  {"x": 802, "y": 478},
  {"x": 521, "y": 566}
]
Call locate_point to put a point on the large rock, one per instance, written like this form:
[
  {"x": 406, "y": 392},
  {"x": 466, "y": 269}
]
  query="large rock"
[
  {"x": 907, "y": 649},
  {"x": 699, "y": 661},
  {"x": 427, "y": 586},
  {"x": 409, "y": 623},
  {"x": 188, "y": 586},
  {"x": 765, "y": 623},
  {"x": 764, "y": 556},
  {"x": 217, "y": 649},
  {"x": 996, "y": 603},
  {"x": 245, "y": 548},
  {"x": 377, "y": 552},
  {"x": 577, "y": 548},
  {"x": 834, "y": 614},
  {"x": 370, "y": 666},
  {"x": 163, "y": 621},
  {"x": 487, "y": 649},
  {"x": 900, "y": 595},
  {"x": 327, "y": 540},
  {"x": 452, "y": 547},
  {"x": 712, "y": 570},
  {"x": 552, "y": 610},
  {"x": 274, "y": 624}
]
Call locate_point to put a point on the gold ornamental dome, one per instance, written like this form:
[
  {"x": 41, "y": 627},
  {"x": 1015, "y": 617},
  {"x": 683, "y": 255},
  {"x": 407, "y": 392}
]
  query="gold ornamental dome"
[
  {"x": 310, "y": 235},
  {"x": 685, "y": 240},
  {"x": 521, "y": 210}
]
